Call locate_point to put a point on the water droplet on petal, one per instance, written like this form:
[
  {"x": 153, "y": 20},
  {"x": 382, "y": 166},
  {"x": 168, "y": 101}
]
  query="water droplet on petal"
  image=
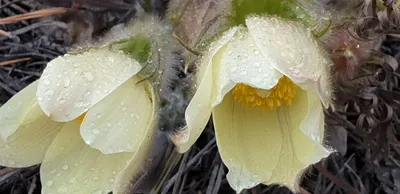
[
  {"x": 72, "y": 180},
  {"x": 62, "y": 189},
  {"x": 65, "y": 167},
  {"x": 49, "y": 183},
  {"x": 62, "y": 100},
  {"x": 89, "y": 76},
  {"x": 98, "y": 191},
  {"x": 46, "y": 82},
  {"x": 95, "y": 131},
  {"x": 86, "y": 94},
  {"x": 66, "y": 82},
  {"x": 49, "y": 92}
]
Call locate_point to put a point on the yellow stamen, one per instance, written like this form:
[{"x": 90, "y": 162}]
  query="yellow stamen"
[
  {"x": 80, "y": 118},
  {"x": 282, "y": 93}
]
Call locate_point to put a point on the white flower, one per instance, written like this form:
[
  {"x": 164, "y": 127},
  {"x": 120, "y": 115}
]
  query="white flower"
[{"x": 263, "y": 85}]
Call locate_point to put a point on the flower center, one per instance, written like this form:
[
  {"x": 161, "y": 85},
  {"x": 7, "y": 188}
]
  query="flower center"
[
  {"x": 80, "y": 118},
  {"x": 282, "y": 93}
]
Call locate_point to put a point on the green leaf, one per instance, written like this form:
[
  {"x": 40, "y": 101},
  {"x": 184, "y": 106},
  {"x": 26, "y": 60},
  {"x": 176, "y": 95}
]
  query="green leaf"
[{"x": 288, "y": 9}]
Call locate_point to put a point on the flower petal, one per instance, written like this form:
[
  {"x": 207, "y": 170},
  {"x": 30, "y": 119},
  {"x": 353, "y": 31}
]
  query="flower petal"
[
  {"x": 222, "y": 82},
  {"x": 294, "y": 52},
  {"x": 265, "y": 146},
  {"x": 71, "y": 166},
  {"x": 249, "y": 141},
  {"x": 145, "y": 160},
  {"x": 118, "y": 123},
  {"x": 15, "y": 110},
  {"x": 199, "y": 109},
  {"x": 302, "y": 147},
  {"x": 246, "y": 65},
  {"x": 313, "y": 126},
  {"x": 143, "y": 164},
  {"x": 27, "y": 146},
  {"x": 71, "y": 84}
]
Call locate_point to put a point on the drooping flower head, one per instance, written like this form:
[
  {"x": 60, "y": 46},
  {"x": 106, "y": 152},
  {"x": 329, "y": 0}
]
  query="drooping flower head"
[
  {"x": 266, "y": 82},
  {"x": 91, "y": 117}
]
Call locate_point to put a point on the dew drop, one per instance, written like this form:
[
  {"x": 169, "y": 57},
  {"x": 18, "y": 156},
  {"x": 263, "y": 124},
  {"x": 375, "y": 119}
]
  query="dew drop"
[
  {"x": 95, "y": 178},
  {"x": 89, "y": 76},
  {"x": 98, "y": 191},
  {"x": 110, "y": 150},
  {"x": 62, "y": 100},
  {"x": 62, "y": 189},
  {"x": 66, "y": 82},
  {"x": 72, "y": 180},
  {"x": 49, "y": 183},
  {"x": 95, "y": 131},
  {"x": 46, "y": 82},
  {"x": 77, "y": 104},
  {"x": 86, "y": 94},
  {"x": 49, "y": 92},
  {"x": 111, "y": 180},
  {"x": 233, "y": 69},
  {"x": 65, "y": 167}
]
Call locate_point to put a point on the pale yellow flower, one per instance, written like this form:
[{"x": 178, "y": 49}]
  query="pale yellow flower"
[
  {"x": 78, "y": 156},
  {"x": 90, "y": 119},
  {"x": 264, "y": 85}
]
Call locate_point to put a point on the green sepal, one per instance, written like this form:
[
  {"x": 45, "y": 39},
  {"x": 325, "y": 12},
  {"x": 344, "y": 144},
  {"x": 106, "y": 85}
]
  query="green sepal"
[
  {"x": 288, "y": 9},
  {"x": 138, "y": 47}
]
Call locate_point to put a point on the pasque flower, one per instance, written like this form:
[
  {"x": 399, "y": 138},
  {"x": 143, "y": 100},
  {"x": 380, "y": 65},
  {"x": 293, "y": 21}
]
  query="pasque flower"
[
  {"x": 263, "y": 84},
  {"x": 91, "y": 116}
]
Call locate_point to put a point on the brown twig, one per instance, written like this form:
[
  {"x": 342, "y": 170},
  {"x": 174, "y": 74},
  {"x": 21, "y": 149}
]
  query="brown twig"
[
  {"x": 4, "y": 63},
  {"x": 31, "y": 15},
  {"x": 5, "y": 171},
  {"x": 303, "y": 191},
  {"x": 345, "y": 186},
  {"x": 4, "y": 33}
]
